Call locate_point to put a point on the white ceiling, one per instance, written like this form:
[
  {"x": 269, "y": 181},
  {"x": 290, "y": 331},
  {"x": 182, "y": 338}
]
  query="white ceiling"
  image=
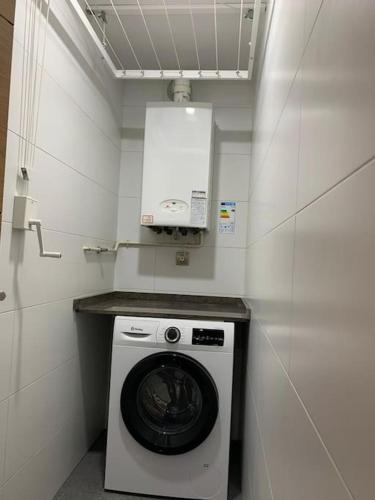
[{"x": 179, "y": 12}]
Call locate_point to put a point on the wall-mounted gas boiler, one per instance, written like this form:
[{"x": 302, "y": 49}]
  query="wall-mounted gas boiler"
[{"x": 177, "y": 166}]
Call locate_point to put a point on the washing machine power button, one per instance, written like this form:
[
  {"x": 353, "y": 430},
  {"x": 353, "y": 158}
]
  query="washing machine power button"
[{"x": 172, "y": 335}]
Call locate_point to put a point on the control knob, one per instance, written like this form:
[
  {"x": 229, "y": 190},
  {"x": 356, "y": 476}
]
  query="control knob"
[{"x": 172, "y": 335}]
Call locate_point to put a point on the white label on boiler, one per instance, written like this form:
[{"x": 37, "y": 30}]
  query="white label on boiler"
[{"x": 198, "y": 208}]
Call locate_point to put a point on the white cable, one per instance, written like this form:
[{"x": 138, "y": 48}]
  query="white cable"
[
  {"x": 194, "y": 34},
  {"x": 126, "y": 35},
  {"x": 27, "y": 50},
  {"x": 216, "y": 48},
  {"x": 105, "y": 36},
  {"x": 239, "y": 37},
  {"x": 31, "y": 84},
  {"x": 40, "y": 81},
  {"x": 34, "y": 81},
  {"x": 23, "y": 87},
  {"x": 149, "y": 35},
  {"x": 171, "y": 33}
]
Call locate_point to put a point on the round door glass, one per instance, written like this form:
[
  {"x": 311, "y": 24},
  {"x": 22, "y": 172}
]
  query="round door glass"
[
  {"x": 169, "y": 403},
  {"x": 169, "y": 400}
]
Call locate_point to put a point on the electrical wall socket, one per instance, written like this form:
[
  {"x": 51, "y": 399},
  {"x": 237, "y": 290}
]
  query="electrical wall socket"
[{"x": 182, "y": 258}]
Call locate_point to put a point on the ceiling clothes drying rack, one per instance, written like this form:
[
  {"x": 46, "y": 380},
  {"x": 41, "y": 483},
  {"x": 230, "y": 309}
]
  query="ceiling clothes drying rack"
[{"x": 169, "y": 39}]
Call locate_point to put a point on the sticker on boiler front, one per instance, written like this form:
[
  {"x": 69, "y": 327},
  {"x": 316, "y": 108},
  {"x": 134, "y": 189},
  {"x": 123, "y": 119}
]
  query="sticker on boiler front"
[
  {"x": 198, "y": 208},
  {"x": 227, "y": 217},
  {"x": 147, "y": 219}
]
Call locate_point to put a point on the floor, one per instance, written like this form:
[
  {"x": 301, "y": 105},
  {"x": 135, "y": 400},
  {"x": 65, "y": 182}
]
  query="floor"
[{"x": 86, "y": 481}]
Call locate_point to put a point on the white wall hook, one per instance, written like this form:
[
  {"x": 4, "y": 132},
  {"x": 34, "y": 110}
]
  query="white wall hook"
[{"x": 42, "y": 252}]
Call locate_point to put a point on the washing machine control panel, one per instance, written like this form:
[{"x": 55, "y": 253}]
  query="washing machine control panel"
[
  {"x": 172, "y": 334},
  {"x": 208, "y": 336},
  {"x": 179, "y": 334}
]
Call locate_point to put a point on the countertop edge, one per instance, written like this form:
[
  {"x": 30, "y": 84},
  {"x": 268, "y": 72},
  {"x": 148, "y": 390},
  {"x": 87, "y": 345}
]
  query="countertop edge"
[{"x": 102, "y": 304}]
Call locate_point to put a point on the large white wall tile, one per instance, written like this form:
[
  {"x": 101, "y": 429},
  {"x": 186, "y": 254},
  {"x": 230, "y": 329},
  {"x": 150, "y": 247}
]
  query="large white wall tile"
[
  {"x": 135, "y": 269},
  {"x": 41, "y": 477},
  {"x": 333, "y": 339},
  {"x": 62, "y": 122},
  {"x": 223, "y": 93},
  {"x": 138, "y": 93},
  {"x": 70, "y": 202},
  {"x": 231, "y": 177},
  {"x": 269, "y": 285},
  {"x": 208, "y": 271},
  {"x": 299, "y": 465},
  {"x": 94, "y": 94},
  {"x": 273, "y": 197},
  {"x": 232, "y": 130},
  {"x": 284, "y": 50},
  {"x": 45, "y": 337},
  {"x": 338, "y": 121},
  {"x": 133, "y": 128},
  {"x": 6, "y": 346},
  {"x": 131, "y": 174},
  {"x": 37, "y": 413},
  {"x": 255, "y": 476}
]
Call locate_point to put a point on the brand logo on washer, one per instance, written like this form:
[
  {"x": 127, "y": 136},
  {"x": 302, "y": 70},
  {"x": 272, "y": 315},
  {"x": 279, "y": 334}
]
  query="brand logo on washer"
[{"x": 135, "y": 329}]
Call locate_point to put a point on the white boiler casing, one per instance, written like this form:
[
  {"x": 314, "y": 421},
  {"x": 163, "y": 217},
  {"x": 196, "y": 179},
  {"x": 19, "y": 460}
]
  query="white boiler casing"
[{"x": 177, "y": 165}]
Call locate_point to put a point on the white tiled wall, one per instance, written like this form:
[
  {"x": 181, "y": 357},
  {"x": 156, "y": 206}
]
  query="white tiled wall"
[
  {"x": 310, "y": 420},
  {"x": 219, "y": 267},
  {"x": 53, "y": 366}
]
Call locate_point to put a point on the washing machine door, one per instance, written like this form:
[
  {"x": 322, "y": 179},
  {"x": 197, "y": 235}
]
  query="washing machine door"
[{"x": 169, "y": 403}]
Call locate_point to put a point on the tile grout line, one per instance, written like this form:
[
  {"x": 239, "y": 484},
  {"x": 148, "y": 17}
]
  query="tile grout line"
[
  {"x": 62, "y": 162},
  {"x": 43, "y": 376},
  {"x": 66, "y": 233},
  {"x": 63, "y": 299},
  {"x": 315, "y": 200},
  {"x": 261, "y": 438}
]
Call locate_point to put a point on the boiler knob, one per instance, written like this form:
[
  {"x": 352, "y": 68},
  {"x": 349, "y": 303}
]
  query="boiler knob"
[{"x": 172, "y": 335}]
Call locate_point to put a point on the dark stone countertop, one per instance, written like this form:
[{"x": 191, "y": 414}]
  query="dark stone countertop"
[{"x": 165, "y": 305}]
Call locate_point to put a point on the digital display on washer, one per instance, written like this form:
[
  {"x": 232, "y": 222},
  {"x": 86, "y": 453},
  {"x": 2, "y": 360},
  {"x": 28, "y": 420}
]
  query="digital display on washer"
[{"x": 207, "y": 336}]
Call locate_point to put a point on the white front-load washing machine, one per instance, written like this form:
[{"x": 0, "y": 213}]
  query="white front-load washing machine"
[{"x": 170, "y": 407}]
